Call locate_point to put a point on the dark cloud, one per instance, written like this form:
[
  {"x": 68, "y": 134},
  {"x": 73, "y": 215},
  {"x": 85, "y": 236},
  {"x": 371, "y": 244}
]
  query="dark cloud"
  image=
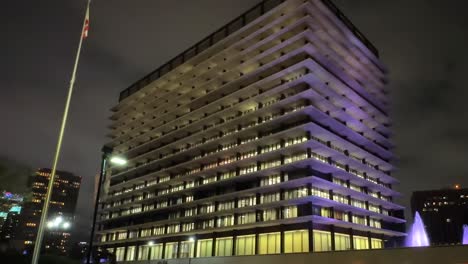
[{"x": 422, "y": 42}]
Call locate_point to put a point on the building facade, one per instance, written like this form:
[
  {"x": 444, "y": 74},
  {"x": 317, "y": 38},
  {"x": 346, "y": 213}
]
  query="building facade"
[
  {"x": 444, "y": 212},
  {"x": 269, "y": 136},
  {"x": 62, "y": 206},
  {"x": 10, "y": 207}
]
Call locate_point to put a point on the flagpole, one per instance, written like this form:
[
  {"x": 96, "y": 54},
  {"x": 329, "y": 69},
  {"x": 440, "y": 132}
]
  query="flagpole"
[{"x": 45, "y": 208}]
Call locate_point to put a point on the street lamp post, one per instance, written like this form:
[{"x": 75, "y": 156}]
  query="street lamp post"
[{"x": 106, "y": 153}]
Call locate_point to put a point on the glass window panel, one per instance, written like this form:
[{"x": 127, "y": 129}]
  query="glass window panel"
[
  {"x": 204, "y": 247},
  {"x": 155, "y": 251},
  {"x": 143, "y": 252},
  {"x": 342, "y": 242},
  {"x": 171, "y": 250},
  {"x": 296, "y": 241},
  {"x": 245, "y": 245},
  {"x": 120, "y": 253},
  {"x": 360, "y": 243},
  {"x": 269, "y": 243},
  {"x": 322, "y": 241},
  {"x": 223, "y": 246}
]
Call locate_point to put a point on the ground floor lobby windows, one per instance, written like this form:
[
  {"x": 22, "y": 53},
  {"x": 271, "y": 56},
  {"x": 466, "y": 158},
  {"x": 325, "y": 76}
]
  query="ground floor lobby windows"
[
  {"x": 295, "y": 241},
  {"x": 204, "y": 248},
  {"x": 223, "y": 247},
  {"x": 245, "y": 245},
  {"x": 269, "y": 243},
  {"x": 360, "y": 242},
  {"x": 322, "y": 241},
  {"x": 342, "y": 242}
]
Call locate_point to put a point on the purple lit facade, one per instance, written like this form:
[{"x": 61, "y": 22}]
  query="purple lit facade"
[{"x": 270, "y": 136}]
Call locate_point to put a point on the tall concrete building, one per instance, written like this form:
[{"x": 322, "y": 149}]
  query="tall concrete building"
[
  {"x": 62, "y": 206},
  {"x": 269, "y": 136}
]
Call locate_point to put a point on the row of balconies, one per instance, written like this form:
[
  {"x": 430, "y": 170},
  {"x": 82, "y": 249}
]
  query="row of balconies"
[
  {"x": 247, "y": 217},
  {"x": 274, "y": 179},
  {"x": 265, "y": 119},
  {"x": 224, "y": 176},
  {"x": 267, "y": 199},
  {"x": 251, "y": 45},
  {"x": 168, "y": 132}
]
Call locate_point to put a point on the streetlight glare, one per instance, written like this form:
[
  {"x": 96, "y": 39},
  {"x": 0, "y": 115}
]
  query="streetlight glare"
[
  {"x": 58, "y": 220},
  {"x": 118, "y": 160},
  {"x": 66, "y": 225}
]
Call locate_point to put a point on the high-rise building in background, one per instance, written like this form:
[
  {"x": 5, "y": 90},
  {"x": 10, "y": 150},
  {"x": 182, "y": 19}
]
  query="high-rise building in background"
[
  {"x": 61, "y": 211},
  {"x": 10, "y": 208},
  {"x": 444, "y": 212},
  {"x": 269, "y": 136}
]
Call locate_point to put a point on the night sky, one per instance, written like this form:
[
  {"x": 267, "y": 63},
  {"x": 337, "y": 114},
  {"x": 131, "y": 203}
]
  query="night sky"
[{"x": 423, "y": 43}]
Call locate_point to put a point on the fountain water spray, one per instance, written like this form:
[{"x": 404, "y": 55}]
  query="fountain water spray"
[
  {"x": 465, "y": 235},
  {"x": 417, "y": 236}
]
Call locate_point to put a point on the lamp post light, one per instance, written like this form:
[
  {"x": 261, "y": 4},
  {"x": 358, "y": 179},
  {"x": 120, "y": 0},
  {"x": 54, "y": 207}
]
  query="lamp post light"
[
  {"x": 106, "y": 157},
  {"x": 58, "y": 224}
]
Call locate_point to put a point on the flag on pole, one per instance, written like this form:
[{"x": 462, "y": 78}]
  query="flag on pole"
[{"x": 86, "y": 24}]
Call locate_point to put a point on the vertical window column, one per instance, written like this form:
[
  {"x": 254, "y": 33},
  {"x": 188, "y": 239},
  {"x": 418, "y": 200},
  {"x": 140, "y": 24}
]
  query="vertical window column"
[
  {"x": 245, "y": 245},
  {"x": 204, "y": 248}
]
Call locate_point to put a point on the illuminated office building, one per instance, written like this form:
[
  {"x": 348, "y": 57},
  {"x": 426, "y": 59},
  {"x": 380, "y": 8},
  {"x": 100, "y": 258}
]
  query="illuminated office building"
[
  {"x": 62, "y": 205},
  {"x": 269, "y": 136}
]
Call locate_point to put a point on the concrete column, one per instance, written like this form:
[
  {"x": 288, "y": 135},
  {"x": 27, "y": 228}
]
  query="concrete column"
[
  {"x": 311, "y": 236},
  {"x": 332, "y": 235}
]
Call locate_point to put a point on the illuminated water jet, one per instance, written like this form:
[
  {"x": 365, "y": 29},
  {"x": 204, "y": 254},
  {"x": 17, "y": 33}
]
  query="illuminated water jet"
[
  {"x": 417, "y": 236},
  {"x": 465, "y": 235}
]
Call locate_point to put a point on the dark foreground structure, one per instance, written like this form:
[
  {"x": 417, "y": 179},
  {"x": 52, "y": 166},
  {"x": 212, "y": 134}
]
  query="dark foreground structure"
[{"x": 270, "y": 136}]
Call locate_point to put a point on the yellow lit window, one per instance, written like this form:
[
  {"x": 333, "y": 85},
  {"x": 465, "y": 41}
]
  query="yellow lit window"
[
  {"x": 360, "y": 242},
  {"x": 296, "y": 241},
  {"x": 322, "y": 241},
  {"x": 377, "y": 243},
  {"x": 269, "y": 243},
  {"x": 187, "y": 249},
  {"x": 342, "y": 242},
  {"x": 223, "y": 246},
  {"x": 204, "y": 247},
  {"x": 245, "y": 245},
  {"x": 171, "y": 250},
  {"x": 155, "y": 251}
]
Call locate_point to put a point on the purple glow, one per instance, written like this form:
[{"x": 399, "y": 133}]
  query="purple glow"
[
  {"x": 417, "y": 236},
  {"x": 465, "y": 235}
]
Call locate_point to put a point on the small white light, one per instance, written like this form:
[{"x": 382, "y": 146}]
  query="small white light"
[
  {"x": 150, "y": 243},
  {"x": 58, "y": 220},
  {"x": 118, "y": 160},
  {"x": 50, "y": 224},
  {"x": 191, "y": 239},
  {"x": 66, "y": 225}
]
